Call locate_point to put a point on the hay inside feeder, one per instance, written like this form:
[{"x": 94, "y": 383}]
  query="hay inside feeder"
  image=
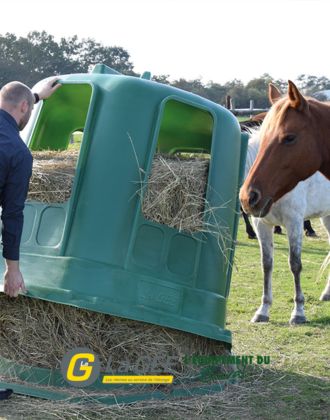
[
  {"x": 52, "y": 175},
  {"x": 175, "y": 194}
]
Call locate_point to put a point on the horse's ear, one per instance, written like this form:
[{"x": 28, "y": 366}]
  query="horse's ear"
[
  {"x": 297, "y": 101},
  {"x": 273, "y": 93}
]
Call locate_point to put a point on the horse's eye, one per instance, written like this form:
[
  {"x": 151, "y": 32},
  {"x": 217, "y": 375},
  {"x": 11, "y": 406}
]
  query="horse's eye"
[{"x": 289, "y": 139}]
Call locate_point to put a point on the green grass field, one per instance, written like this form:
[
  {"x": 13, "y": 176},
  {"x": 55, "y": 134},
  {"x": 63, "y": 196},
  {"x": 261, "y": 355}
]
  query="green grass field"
[
  {"x": 77, "y": 139},
  {"x": 242, "y": 117},
  {"x": 297, "y": 382}
]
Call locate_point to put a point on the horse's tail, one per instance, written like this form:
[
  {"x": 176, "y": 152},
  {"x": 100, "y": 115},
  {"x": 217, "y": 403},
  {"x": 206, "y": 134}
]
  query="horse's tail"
[{"x": 323, "y": 267}]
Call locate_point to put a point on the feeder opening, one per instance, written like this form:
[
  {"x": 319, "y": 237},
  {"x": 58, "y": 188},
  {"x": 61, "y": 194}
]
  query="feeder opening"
[
  {"x": 177, "y": 185},
  {"x": 55, "y": 140}
]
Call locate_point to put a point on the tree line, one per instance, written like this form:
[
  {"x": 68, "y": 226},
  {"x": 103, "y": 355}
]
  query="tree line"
[{"x": 38, "y": 55}]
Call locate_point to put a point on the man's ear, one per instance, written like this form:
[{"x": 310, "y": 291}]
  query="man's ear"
[
  {"x": 297, "y": 101},
  {"x": 24, "y": 106},
  {"x": 274, "y": 93}
]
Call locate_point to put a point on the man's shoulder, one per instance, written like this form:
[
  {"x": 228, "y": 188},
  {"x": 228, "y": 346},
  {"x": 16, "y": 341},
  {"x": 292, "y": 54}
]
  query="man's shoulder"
[
  {"x": 21, "y": 154},
  {"x": 12, "y": 147},
  {"x": 8, "y": 136},
  {"x": 8, "y": 125},
  {"x": 11, "y": 141}
]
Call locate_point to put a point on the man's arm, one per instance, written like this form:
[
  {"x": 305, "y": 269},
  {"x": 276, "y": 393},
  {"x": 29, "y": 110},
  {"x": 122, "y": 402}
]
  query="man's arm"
[
  {"x": 13, "y": 279},
  {"x": 48, "y": 88},
  {"x": 13, "y": 198}
]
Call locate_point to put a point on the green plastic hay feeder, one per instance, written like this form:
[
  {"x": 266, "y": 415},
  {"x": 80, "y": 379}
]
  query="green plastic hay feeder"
[{"x": 97, "y": 251}]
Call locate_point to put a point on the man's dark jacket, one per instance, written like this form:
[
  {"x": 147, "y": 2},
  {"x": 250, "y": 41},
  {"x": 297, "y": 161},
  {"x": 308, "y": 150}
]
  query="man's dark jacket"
[{"x": 15, "y": 172}]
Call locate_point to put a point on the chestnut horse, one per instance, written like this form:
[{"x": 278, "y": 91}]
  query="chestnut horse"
[
  {"x": 310, "y": 198},
  {"x": 246, "y": 126},
  {"x": 295, "y": 143}
]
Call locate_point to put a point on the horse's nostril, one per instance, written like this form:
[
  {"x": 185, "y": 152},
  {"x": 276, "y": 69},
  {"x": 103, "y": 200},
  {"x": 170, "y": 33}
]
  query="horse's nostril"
[{"x": 254, "y": 197}]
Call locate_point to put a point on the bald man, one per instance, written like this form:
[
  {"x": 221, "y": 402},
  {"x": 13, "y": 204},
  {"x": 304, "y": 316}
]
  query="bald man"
[{"x": 16, "y": 104}]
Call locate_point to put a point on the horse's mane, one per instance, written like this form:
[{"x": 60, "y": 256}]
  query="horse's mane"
[
  {"x": 277, "y": 112},
  {"x": 247, "y": 125},
  {"x": 253, "y": 147},
  {"x": 275, "y": 115}
]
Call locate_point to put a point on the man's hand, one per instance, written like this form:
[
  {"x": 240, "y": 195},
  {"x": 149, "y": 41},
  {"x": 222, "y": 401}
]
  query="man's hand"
[
  {"x": 13, "y": 279},
  {"x": 49, "y": 88}
]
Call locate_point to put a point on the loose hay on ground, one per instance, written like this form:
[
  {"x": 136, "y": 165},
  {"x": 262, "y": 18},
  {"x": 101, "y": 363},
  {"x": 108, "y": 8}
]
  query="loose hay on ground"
[{"x": 38, "y": 333}]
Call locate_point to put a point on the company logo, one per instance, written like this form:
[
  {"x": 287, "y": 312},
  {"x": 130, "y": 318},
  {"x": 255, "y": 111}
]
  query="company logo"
[{"x": 80, "y": 367}]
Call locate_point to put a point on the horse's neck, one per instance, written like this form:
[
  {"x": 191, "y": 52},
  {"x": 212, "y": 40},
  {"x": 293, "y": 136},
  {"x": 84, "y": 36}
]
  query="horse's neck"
[
  {"x": 252, "y": 152},
  {"x": 321, "y": 112}
]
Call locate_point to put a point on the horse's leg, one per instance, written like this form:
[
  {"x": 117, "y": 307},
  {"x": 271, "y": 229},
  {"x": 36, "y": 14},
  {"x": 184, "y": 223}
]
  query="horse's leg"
[
  {"x": 309, "y": 231},
  {"x": 248, "y": 227},
  {"x": 265, "y": 238},
  {"x": 295, "y": 233},
  {"x": 278, "y": 230},
  {"x": 326, "y": 292}
]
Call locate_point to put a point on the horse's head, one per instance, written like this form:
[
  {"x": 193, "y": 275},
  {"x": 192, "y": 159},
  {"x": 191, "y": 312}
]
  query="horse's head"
[{"x": 288, "y": 151}]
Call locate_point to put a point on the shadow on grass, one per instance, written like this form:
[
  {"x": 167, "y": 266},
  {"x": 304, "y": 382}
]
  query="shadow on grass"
[
  {"x": 315, "y": 251},
  {"x": 324, "y": 321},
  {"x": 271, "y": 322},
  {"x": 285, "y": 248},
  {"x": 281, "y": 394},
  {"x": 248, "y": 245}
]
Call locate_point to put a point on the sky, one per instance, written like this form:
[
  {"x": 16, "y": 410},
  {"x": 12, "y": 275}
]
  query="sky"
[{"x": 213, "y": 40}]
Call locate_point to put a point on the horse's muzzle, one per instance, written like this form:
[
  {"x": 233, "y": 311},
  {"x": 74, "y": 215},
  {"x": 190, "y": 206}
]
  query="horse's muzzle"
[{"x": 253, "y": 202}]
